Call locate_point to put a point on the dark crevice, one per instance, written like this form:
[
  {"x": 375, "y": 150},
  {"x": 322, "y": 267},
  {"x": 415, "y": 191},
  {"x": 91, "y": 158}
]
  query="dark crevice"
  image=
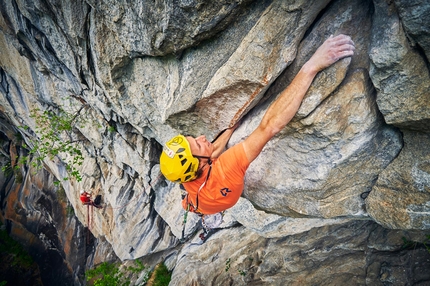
[
  {"x": 317, "y": 19},
  {"x": 6, "y": 83},
  {"x": 422, "y": 53}
]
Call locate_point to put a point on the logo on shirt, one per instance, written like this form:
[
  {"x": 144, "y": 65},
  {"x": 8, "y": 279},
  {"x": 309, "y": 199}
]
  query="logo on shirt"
[{"x": 224, "y": 192}]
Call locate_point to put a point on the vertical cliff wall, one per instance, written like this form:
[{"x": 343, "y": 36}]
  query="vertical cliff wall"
[
  {"x": 355, "y": 156},
  {"x": 38, "y": 215}
]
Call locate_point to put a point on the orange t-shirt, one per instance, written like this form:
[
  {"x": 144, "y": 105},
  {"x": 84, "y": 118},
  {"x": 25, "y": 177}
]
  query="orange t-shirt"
[{"x": 224, "y": 185}]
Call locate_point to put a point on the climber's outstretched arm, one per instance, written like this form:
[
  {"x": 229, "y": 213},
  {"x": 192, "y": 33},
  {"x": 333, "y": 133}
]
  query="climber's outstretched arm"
[{"x": 286, "y": 105}]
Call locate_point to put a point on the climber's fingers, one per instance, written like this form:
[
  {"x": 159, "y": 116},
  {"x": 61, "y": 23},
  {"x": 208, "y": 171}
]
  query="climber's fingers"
[{"x": 332, "y": 50}]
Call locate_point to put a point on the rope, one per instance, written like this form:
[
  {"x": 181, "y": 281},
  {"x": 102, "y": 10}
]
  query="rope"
[
  {"x": 88, "y": 216},
  {"x": 90, "y": 220},
  {"x": 91, "y": 216},
  {"x": 88, "y": 224}
]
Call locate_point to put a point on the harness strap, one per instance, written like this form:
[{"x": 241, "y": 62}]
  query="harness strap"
[
  {"x": 190, "y": 204},
  {"x": 201, "y": 187}
]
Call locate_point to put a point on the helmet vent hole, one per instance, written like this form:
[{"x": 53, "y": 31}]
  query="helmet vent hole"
[
  {"x": 189, "y": 169},
  {"x": 180, "y": 150},
  {"x": 183, "y": 162}
]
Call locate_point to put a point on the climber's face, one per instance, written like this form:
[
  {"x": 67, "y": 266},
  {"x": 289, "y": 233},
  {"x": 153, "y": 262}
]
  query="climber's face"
[{"x": 200, "y": 146}]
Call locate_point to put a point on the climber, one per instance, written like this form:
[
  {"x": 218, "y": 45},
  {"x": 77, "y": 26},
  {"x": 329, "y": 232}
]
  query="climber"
[
  {"x": 214, "y": 179},
  {"x": 86, "y": 199}
]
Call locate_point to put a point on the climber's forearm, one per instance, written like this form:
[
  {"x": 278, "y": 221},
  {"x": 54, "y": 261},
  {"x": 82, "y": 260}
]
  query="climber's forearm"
[
  {"x": 279, "y": 113},
  {"x": 286, "y": 105}
]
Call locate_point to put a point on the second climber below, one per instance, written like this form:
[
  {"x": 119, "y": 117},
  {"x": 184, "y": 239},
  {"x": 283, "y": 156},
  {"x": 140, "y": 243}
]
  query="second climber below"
[
  {"x": 86, "y": 199},
  {"x": 214, "y": 179}
]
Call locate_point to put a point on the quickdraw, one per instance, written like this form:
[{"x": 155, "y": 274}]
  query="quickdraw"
[
  {"x": 184, "y": 223},
  {"x": 206, "y": 231}
]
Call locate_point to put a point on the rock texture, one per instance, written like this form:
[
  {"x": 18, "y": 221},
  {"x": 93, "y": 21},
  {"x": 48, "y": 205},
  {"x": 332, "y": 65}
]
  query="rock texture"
[
  {"x": 397, "y": 65},
  {"x": 37, "y": 214},
  {"x": 404, "y": 186},
  {"x": 356, "y": 152},
  {"x": 357, "y": 253}
]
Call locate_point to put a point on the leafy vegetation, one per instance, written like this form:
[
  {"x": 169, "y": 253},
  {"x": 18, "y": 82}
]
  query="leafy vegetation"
[
  {"x": 106, "y": 274},
  {"x": 111, "y": 129},
  {"x": 409, "y": 244},
  {"x": 16, "y": 265},
  {"x": 109, "y": 274},
  {"x": 61, "y": 195},
  {"x": 161, "y": 275},
  {"x": 227, "y": 265},
  {"x": 70, "y": 211},
  {"x": 10, "y": 246},
  {"x": 7, "y": 169},
  {"x": 55, "y": 138},
  {"x": 242, "y": 268}
]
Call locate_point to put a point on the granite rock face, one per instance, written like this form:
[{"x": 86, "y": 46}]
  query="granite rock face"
[
  {"x": 399, "y": 72},
  {"x": 404, "y": 186},
  {"x": 355, "y": 253},
  {"x": 136, "y": 74}
]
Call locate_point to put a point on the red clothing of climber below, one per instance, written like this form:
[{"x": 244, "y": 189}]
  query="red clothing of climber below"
[{"x": 85, "y": 198}]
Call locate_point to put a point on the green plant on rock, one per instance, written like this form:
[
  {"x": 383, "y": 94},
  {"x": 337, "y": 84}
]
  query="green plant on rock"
[
  {"x": 161, "y": 275},
  {"x": 139, "y": 268},
  {"x": 7, "y": 169},
  {"x": 227, "y": 265},
  {"x": 410, "y": 244},
  {"x": 61, "y": 195},
  {"x": 109, "y": 274},
  {"x": 105, "y": 274},
  {"x": 8, "y": 246},
  {"x": 54, "y": 130},
  {"x": 111, "y": 129},
  {"x": 70, "y": 211}
]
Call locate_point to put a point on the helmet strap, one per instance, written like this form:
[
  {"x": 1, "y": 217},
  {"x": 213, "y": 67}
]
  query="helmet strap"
[{"x": 204, "y": 157}]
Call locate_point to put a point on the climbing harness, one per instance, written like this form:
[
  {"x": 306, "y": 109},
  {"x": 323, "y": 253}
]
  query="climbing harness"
[
  {"x": 209, "y": 227},
  {"x": 206, "y": 231},
  {"x": 195, "y": 207}
]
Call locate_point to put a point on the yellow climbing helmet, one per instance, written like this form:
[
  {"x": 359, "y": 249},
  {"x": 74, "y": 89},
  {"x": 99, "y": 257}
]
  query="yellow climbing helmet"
[{"x": 177, "y": 163}]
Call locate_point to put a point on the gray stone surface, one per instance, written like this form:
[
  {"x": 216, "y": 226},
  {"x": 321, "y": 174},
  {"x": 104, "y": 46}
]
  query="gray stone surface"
[
  {"x": 400, "y": 198},
  {"x": 399, "y": 72},
  {"x": 355, "y": 253},
  {"x": 144, "y": 71}
]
